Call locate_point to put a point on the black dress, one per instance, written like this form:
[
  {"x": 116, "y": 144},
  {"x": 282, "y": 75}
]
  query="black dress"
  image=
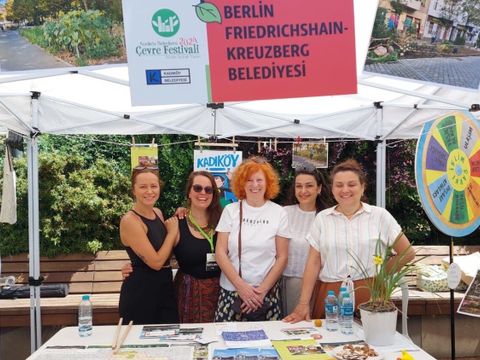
[{"x": 147, "y": 295}]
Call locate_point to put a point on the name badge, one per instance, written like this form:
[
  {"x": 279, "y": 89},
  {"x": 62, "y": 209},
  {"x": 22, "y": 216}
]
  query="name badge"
[{"x": 211, "y": 263}]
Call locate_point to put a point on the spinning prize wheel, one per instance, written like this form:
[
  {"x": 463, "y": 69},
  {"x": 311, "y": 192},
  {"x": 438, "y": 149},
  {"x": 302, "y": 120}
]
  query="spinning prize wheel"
[{"x": 447, "y": 172}]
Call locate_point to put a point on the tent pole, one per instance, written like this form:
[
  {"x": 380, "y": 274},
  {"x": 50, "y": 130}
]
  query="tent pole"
[
  {"x": 381, "y": 168},
  {"x": 381, "y": 157},
  {"x": 34, "y": 232}
]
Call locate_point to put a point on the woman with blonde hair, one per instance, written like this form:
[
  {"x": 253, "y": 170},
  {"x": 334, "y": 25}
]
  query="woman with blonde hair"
[{"x": 252, "y": 246}]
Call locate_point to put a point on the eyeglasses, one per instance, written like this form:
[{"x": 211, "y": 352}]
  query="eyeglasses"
[
  {"x": 140, "y": 168},
  {"x": 199, "y": 188}
]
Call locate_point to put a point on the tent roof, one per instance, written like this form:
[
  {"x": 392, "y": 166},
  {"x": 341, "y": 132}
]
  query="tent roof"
[{"x": 96, "y": 100}]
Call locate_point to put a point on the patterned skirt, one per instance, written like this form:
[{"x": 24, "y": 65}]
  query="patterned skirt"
[
  {"x": 226, "y": 299},
  {"x": 197, "y": 298}
]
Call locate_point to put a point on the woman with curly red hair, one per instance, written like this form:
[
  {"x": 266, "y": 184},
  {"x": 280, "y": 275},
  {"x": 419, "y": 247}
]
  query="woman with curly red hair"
[{"x": 252, "y": 246}]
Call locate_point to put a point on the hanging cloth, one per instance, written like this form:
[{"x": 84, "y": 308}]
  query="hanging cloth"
[{"x": 8, "y": 211}]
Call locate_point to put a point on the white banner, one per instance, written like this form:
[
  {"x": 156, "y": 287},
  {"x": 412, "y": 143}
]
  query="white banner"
[{"x": 167, "y": 52}]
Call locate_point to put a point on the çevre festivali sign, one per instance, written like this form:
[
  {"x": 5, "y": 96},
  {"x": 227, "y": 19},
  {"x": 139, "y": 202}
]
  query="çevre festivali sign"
[{"x": 229, "y": 50}]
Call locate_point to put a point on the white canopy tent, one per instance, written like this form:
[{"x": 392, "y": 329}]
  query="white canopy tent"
[{"x": 96, "y": 100}]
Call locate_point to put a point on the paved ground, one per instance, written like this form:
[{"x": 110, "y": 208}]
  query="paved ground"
[
  {"x": 457, "y": 71},
  {"x": 17, "y": 54}
]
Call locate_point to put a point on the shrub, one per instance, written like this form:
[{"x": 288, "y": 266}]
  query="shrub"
[
  {"x": 83, "y": 33},
  {"x": 373, "y": 58},
  {"x": 34, "y": 35},
  {"x": 79, "y": 206},
  {"x": 460, "y": 40},
  {"x": 445, "y": 48}
]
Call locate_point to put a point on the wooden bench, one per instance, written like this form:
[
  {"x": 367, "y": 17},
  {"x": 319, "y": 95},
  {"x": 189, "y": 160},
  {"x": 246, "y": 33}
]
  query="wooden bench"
[
  {"x": 427, "y": 303},
  {"x": 98, "y": 275}
]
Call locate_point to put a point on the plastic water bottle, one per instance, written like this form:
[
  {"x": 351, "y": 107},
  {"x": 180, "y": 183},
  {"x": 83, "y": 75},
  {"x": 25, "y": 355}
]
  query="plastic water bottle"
[
  {"x": 341, "y": 292},
  {"x": 331, "y": 311},
  {"x": 348, "y": 284},
  {"x": 346, "y": 325},
  {"x": 85, "y": 316}
]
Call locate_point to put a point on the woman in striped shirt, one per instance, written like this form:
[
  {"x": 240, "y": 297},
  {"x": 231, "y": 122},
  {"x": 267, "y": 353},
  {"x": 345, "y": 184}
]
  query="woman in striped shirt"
[{"x": 351, "y": 226}]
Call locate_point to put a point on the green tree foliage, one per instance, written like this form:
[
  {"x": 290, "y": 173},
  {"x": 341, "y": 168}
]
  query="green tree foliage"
[
  {"x": 380, "y": 28},
  {"x": 80, "y": 206},
  {"x": 112, "y": 8},
  {"x": 21, "y": 10},
  {"x": 85, "y": 188},
  {"x": 83, "y": 33},
  {"x": 37, "y": 11}
]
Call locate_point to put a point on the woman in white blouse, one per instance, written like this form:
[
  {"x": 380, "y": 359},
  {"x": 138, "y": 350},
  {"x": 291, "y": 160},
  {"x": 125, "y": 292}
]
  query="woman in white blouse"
[
  {"x": 352, "y": 226},
  {"x": 309, "y": 194}
]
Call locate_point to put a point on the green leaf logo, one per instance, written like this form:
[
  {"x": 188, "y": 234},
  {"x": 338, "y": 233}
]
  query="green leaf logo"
[
  {"x": 208, "y": 13},
  {"x": 165, "y": 23}
]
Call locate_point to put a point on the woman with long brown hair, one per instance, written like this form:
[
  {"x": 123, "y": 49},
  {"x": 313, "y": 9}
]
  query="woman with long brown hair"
[{"x": 197, "y": 279}]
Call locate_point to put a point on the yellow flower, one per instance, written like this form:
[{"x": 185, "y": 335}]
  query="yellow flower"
[
  {"x": 377, "y": 260},
  {"x": 406, "y": 355}
]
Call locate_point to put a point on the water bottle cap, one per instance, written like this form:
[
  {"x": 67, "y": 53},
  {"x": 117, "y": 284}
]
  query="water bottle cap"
[
  {"x": 86, "y": 297},
  {"x": 343, "y": 289},
  {"x": 331, "y": 292},
  {"x": 346, "y": 295}
]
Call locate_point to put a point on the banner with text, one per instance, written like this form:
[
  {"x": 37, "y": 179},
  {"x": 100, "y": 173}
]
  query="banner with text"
[
  {"x": 220, "y": 164},
  {"x": 229, "y": 50}
]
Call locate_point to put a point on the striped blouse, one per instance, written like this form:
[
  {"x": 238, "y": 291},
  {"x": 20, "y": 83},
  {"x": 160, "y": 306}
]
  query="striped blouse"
[{"x": 336, "y": 237}]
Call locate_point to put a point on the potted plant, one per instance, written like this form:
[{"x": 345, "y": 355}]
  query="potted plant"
[{"x": 379, "y": 313}]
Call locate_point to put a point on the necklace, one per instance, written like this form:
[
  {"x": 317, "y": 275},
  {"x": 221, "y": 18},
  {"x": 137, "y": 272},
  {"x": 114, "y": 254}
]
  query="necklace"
[{"x": 193, "y": 224}]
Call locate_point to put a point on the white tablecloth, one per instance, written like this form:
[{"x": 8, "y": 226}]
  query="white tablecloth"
[{"x": 103, "y": 336}]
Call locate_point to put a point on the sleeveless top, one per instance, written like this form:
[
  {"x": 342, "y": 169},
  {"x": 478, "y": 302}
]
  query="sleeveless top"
[
  {"x": 156, "y": 233},
  {"x": 191, "y": 253}
]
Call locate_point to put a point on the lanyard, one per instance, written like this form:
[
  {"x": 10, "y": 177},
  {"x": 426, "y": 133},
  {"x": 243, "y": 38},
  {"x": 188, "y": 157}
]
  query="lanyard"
[{"x": 208, "y": 237}]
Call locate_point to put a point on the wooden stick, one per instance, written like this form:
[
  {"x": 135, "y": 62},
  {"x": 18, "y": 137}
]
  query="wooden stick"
[
  {"x": 124, "y": 336},
  {"x": 117, "y": 333}
]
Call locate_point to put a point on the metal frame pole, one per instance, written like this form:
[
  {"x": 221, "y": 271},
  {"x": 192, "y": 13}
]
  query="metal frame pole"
[
  {"x": 381, "y": 159},
  {"x": 34, "y": 232}
]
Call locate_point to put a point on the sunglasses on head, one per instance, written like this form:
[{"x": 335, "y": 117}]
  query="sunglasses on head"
[{"x": 198, "y": 189}]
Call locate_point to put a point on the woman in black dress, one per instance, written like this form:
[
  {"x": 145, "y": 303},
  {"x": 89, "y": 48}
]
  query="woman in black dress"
[{"x": 147, "y": 295}]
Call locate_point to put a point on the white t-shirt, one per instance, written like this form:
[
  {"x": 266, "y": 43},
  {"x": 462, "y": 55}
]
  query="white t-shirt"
[
  {"x": 259, "y": 228},
  {"x": 336, "y": 237},
  {"x": 300, "y": 223}
]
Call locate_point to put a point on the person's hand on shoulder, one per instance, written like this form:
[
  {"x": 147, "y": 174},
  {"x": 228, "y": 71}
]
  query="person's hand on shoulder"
[
  {"x": 172, "y": 226},
  {"x": 181, "y": 212}
]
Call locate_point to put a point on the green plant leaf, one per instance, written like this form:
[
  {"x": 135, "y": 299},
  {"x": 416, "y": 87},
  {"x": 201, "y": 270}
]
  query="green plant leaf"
[{"x": 208, "y": 13}]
